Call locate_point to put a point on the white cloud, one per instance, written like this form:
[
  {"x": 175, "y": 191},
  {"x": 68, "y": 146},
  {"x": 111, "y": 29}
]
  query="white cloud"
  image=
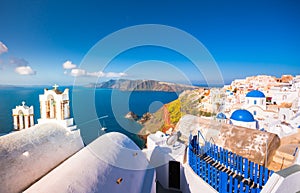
[
  {"x": 78, "y": 72},
  {"x": 115, "y": 74},
  {"x": 3, "y": 48},
  {"x": 81, "y": 72},
  {"x": 97, "y": 74},
  {"x": 25, "y": 70},
  {"x": 69, "y": 65}
]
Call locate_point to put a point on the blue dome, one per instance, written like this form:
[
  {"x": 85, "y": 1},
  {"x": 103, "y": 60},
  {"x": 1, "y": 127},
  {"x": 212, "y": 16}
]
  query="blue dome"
[
  {"x": 242, "y": 115},
  {"x": 221, "y": 116},
  {"x": 256, "y": 94}
]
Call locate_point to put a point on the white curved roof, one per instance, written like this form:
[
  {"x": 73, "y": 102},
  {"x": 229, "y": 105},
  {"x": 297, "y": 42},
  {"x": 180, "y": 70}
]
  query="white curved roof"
[
  {"x": 98, "y": 168},
  {"x": 119, "y": 150},
  {"x": 27, "y": 155}
]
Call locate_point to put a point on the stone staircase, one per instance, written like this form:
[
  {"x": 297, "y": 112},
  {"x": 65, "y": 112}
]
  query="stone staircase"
[{"x": 284, "y": 157}]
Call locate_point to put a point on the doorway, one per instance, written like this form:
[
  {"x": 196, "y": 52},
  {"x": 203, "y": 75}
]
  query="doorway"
[{"x": 174, "y": 174}]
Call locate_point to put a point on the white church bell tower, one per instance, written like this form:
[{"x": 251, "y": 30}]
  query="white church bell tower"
[
  {"x": 23, "y": 117},
  {"x": 55, "y": 106}
]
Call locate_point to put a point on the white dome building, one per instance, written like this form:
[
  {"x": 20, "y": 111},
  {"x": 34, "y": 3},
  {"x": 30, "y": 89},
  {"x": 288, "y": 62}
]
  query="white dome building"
[
  {"x": 221, "y": 117},
  {"x": 255, "y": 102},
  {"x": 243, "y": 118},
  {"x": 112, "y": 163},
  {"x": 255, "y": 98}
]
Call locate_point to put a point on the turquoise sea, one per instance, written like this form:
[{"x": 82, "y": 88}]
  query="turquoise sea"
[{"x": 139, "y": 102}]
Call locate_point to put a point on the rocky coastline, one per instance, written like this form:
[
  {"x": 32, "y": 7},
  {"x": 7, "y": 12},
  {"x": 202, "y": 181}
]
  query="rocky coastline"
[{"x": 139, "y": 119}]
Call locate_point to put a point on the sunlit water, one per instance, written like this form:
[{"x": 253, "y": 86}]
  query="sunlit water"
[{"x": 140, "y": 102}]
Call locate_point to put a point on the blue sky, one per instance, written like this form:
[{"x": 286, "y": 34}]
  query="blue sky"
[{"x": 244, "y": 37}]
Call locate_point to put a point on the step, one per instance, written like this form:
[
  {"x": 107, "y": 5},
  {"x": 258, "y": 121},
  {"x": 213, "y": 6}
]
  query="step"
[
  {"x": 285, "y": 162},
  {"x": 285, "y": 155},
  {"x": 280, "y": 156}
]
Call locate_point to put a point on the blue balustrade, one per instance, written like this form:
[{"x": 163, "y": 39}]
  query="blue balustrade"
[
  {"x": 230, "y": 184},
  {"x": 246, "y": 168},
  {"x": 228, "y": 161},
  {"x": 255, "y": 173},
  {"x": 226, "y": 158},
  {"x": 251, "y": 170}
]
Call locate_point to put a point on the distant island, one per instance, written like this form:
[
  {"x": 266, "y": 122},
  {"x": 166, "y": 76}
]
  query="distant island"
[{"x": 142, "y": 85}]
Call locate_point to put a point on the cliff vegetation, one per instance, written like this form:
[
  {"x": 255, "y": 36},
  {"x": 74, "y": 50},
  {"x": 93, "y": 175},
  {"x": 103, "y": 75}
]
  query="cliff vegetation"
[{"x": 188, "y": 102}]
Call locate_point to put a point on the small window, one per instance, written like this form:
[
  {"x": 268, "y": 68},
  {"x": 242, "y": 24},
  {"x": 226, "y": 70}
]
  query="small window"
[
  {"x": 254, "y": 112},
  {"x": 284, "y": 117},
  {"x": 255, "y": 102},
  {"x": 284, "y": 97}
]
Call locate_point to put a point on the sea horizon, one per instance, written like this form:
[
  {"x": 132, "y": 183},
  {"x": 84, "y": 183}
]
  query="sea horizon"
[{"x": 139, "y": 102}]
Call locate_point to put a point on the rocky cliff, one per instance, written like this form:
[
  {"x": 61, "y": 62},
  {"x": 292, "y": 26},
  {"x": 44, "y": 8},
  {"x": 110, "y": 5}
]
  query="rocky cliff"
[
  {"x": 139, "y": 119},
  {"x": 188, "y": 102},
  {"x": 142, "y": 85}
]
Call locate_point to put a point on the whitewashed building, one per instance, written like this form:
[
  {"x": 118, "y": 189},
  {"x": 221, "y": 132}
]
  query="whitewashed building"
[
  {"x": 273, "y": 102},
  {"x": 55, "y": 106},
  {"x": 255, "y": 98},
  {"x": 110, "y": 164},
  {"x": 23, "y": 117},
  {"x": 243, "y": 118},
  {"x": 53, "y": 159}
]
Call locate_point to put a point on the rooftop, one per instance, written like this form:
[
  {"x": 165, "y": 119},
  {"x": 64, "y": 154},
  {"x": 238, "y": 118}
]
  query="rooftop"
[
  {"x": 256, "y": 94},
  {"x": 242, "y": 115}
]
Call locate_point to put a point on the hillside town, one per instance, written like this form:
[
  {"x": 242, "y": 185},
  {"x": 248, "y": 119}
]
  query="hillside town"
[
  {"x": 243, "y": 137},
  {"x": 262, "y": 103},
  {"x": 272, "y": 103}
]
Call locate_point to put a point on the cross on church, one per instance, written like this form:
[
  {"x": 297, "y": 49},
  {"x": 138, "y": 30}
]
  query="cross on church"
[
  {"x": 23, "y": 103},
  {"x": 55, "y": 86}
]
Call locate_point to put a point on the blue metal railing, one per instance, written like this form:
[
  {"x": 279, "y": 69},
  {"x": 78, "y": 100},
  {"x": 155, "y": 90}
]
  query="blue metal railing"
[{"x": 226, "y": 171}]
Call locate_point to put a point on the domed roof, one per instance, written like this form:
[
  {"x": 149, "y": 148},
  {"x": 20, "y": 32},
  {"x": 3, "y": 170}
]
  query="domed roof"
[
  {"x": 242, "y": 115},
  {"x": 111, "y": 163},
  {"x": 256, "y": 94},
  {"x": 221, "y": 116}
]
